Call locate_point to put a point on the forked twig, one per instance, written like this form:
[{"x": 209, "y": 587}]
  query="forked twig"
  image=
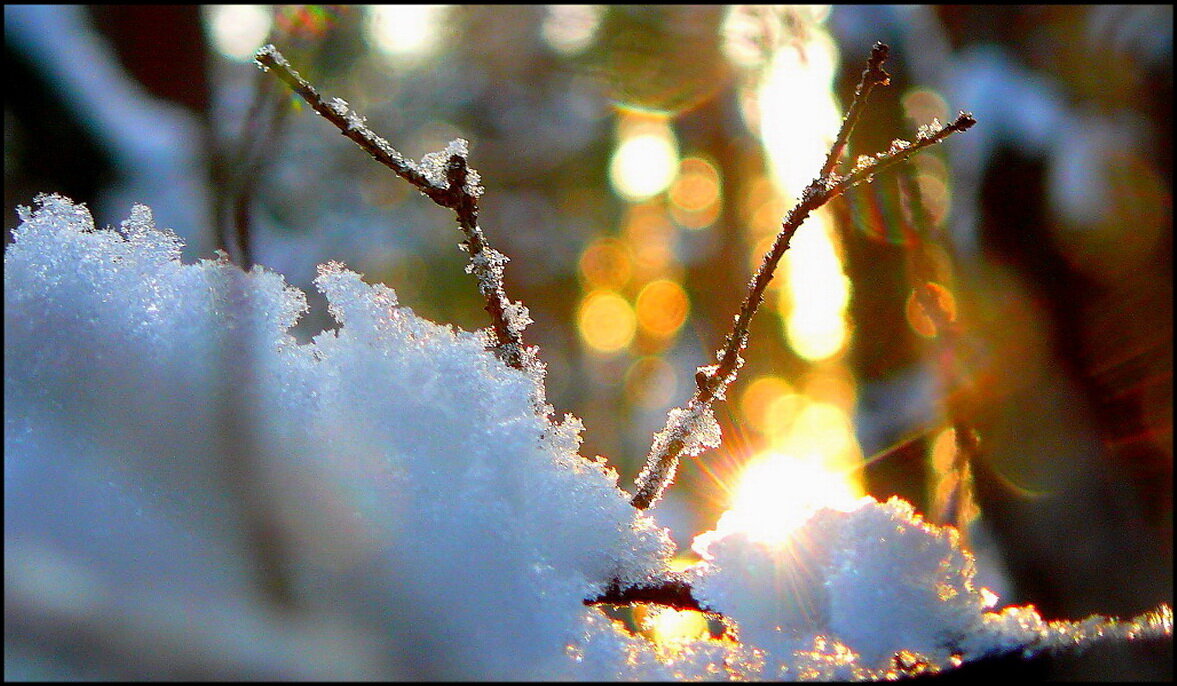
[
  {"x": 682, "y": 432},
  {"x": 450, "y": 183}
]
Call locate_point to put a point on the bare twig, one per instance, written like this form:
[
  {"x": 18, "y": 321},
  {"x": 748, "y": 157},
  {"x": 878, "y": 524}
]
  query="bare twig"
[
  {"x": 871, "y": 77},
  {"x": 712, "y": 381},
  {"x": 672, "y": 591},
  {"x": 447, "y": 181}
]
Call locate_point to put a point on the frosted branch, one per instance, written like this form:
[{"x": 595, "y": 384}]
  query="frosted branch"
[
  {"x": 712, "y": 381},
  {"x": 443, "y": 176},
  {"x": 871, "y": 77}
]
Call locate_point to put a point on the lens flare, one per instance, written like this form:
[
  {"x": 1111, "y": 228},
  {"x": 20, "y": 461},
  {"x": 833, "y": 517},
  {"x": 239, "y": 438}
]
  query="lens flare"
[
  {"x": 646, "y": 159},
  {"x": 569, "y": 29},
  {"x": 606, "y": 321},
  {"x": 662, "y": 307},
  {"x": 405, "y": 30},
  {"x": 237, "y": 31}
]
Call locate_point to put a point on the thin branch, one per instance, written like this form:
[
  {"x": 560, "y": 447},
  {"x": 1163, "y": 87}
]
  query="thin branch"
[
  {"x": 712, "y": 381},
  {"x": 270, "y": 59},
  {"x": 447, "y": 180},
  {"x": 947, "y": 337},
  {"x": 871, "y": 77}
]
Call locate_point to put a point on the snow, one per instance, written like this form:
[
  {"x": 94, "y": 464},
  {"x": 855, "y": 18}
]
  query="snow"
[
  {"x": 409, "y": 466},
  {"x": 436, "y": 523},
  {"x": 433, "y": 167}
]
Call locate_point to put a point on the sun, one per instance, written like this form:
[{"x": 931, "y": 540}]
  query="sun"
[{"x": 778, "y": 492}]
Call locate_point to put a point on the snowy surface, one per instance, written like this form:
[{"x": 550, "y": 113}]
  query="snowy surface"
[{"x": 437, "y": 525}]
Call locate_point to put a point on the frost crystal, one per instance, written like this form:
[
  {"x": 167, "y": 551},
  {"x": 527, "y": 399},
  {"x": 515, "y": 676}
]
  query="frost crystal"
[
  {"x": 694, "y": 428},
  {"x": 433, "y": 167},
  {"x": 271, "y": 52},
  {"x": 898, "y": 145},
  {"x": 928, "y": 130}
]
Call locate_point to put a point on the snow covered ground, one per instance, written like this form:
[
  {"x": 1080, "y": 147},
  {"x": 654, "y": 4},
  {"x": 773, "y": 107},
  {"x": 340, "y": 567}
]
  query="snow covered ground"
[{"x": 190, "y": 492}]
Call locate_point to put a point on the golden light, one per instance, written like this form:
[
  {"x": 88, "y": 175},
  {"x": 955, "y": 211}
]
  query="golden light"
[
  {"x": 606, "y": 263},
  {"x": 569, "y": 29},
  {"x": 662, "y": 307},
  {"x": 779, "y": 492},
  {"x": 832, "y": 384},
  {"x": 946, "y": 486},
  {"x": 646, "y": 159},
  {"x": 758, "y": 397},
  {"x": 606, "y": 321},
  {"x": 943, "y": 452},
  {"x": 823, "y": 429},
  {"x": 669, "y": 629},
  {"x": 798, "y": 118},
  {"x": 816, "y": 295},
  {"x": 649, "y": 235},
  {"x": 695, "y": 197},
  {"x": 237, "y": 31},
  {"x": 650, "y": 382},
  {"x": 780, "y": 413},
  {"x": 405, "y": 30},
  {"x": 919, "y": 320}
]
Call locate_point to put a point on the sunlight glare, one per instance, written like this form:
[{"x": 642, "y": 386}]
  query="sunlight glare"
[
  {"x": 798, "y": 116},
  {"x": 405, "y": 30},
  {"x": 817, "y": 293},
  {"x": 778, "y": 492},
  {"x": 237, "y": 31},
  {"x": 669, "y": 629},
  {"x": 646, "y": 159}
]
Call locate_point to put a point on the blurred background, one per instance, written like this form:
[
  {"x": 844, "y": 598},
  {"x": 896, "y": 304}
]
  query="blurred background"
[{"x": 637, "y": 163}]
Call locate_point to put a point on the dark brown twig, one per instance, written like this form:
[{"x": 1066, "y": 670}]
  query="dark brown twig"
[
  {"x": 871, "y": 77},
  {"x": 712, "y": 381},
  {"x": 673, "y": 592},
  {"x": 447, "y": 181}
]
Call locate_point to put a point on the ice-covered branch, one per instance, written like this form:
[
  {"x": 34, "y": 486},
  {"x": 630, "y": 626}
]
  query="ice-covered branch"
[
  {"x": 448, "y": 181},
  {"x": 688, "y": 431},
  {"x": 874, "y": 75}
]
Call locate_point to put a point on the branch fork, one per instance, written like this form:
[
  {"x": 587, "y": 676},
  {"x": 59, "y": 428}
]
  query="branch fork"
[
  {"x": 447, "y": 180},
  {"x": 712, "y": 381}
]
